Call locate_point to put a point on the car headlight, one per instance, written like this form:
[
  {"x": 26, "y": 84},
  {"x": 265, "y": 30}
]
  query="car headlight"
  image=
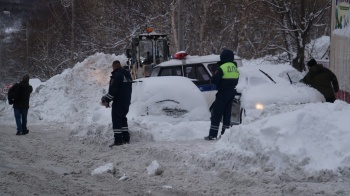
[{"x": 259, "y": 106}]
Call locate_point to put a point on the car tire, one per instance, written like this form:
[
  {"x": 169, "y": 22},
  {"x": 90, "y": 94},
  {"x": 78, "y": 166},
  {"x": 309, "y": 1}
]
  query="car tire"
[{"x": 241, "y": 115}]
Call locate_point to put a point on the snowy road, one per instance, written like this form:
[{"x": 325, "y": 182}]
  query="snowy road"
[{"x": 49, "y": 161}]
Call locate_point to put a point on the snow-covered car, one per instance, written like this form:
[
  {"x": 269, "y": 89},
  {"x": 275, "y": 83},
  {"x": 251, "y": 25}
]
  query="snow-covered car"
[
  {"x": 168, "y": 96},
  {"x": 199, "y": 69},
  {"x": 264, "y": 85}
]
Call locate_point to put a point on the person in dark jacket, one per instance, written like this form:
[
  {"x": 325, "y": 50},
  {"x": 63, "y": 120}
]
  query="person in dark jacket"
[
  {"x": 21, "y": 104},
  {"x": 120, "y": 89},
  {"x": 225, "y": 78},
  {"x": 322, "y": 79},
  {"x": 147, "y": 66}
]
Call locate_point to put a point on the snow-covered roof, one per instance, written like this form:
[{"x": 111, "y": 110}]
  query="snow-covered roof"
[{"x": 195, "y": 59}]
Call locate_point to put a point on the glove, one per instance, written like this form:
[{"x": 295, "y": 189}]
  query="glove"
[{"x": 105, "y": 101}]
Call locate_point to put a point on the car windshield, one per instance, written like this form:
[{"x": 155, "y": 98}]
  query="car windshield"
[{"x": 155, "y": 71}]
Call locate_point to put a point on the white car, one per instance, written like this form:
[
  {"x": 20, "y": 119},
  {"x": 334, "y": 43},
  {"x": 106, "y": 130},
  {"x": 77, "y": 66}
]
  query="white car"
[
  {"x": 265, "y": 87},
  {"x": 168, "y": 96}
]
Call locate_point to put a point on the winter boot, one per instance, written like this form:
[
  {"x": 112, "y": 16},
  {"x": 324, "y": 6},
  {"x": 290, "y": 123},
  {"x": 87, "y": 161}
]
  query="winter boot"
[
  {"x": 118, "y": 139},
  {"x": 126, "y": 137},
  {"x": 224, "y": 127},
  {"x": 212, "y": 132},
  {"x": 209, "y": 138},
  {"x": 222, "y": 131}
]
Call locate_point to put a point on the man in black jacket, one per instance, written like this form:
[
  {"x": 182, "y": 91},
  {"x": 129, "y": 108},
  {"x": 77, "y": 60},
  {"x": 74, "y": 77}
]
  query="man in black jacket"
[
  {"x": 120, "y": 89},
  {"x": 21, "y": 104},
  {"x": 322, "y": 79},
  {"x": 225, "y": 79}
]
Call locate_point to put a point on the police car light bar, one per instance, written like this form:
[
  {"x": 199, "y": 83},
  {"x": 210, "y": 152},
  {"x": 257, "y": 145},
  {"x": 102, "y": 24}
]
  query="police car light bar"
[{"x": 180, "y": 55}]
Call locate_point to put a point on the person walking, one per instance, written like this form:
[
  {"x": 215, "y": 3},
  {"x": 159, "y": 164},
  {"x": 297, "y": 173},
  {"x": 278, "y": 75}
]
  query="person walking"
[
  {"x": 322, "y": 79},
  {"x": 120, "y": 89},
  {"x": 226, "y": 79},
  {"x": 147, "y": 66},
  {"x": 21, "y": 92}
]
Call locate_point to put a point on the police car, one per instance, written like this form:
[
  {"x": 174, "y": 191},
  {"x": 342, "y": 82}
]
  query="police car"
[{"x": 199, "y": 69}]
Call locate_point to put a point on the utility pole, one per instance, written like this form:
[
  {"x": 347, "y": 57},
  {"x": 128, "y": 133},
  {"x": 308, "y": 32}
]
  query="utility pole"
[
  {"x": 72, "y": 38},
  {"x": 181, "y": 26},
  {"x": 1, "y": 70},
  {"x": 27, "y": 46},
  {"x": 67, "y": 3}
]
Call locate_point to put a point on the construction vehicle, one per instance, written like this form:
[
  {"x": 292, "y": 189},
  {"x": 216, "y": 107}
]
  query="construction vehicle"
[{"x": 147, "y": 50}]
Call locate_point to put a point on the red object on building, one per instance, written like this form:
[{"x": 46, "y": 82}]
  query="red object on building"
[
  {"x": 343, "y": 95},
  {"x": 5, "y": 89}
]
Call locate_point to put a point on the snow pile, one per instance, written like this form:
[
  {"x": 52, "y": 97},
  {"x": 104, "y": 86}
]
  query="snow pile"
[
  {"x": 108, "y": 168},
  {"x": 314, "y": 137},
  {"x": 154, "y": 168},
  {"x": 73, "y": 96}
]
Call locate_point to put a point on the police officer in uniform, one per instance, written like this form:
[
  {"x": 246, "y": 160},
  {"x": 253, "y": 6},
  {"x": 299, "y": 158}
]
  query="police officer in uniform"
[
  {"x": 120, "y": 88},
  {"x": 225, "y": 79}
]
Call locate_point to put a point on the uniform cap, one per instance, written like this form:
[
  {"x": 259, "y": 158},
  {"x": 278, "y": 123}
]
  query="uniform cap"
[{"x": 227, "y": 56}]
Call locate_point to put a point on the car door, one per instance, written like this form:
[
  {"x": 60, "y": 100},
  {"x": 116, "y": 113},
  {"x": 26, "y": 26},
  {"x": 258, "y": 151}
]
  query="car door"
[{"x": 199, "y": 75}]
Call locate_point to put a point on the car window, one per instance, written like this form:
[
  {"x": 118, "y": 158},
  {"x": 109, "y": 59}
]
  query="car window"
[
  {"x": 171, "y": 71},
  {"x": 177, "y": 71},
  {"x": 203, "y": 75},
  {"x": 190, "y": 72},
  {"x": 155, "y": 71},
  {"x": 166, "y": 71},
  {"x": 197, "y": 72},
  {"x": 212, "y": 68}
]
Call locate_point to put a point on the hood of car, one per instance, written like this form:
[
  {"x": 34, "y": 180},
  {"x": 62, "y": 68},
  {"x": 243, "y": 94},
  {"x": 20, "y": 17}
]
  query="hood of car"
[{"x": 168, "y": 94}]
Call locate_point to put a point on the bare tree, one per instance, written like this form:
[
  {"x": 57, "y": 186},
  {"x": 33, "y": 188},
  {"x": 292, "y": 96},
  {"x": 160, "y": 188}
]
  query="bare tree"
[
  {"x": 292, "y": 22},
  {"x": 251, "y": 28}
]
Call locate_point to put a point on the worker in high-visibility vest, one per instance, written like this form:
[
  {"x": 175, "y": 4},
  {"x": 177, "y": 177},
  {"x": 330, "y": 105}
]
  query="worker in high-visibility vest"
[{"x": 226, "y": 79}]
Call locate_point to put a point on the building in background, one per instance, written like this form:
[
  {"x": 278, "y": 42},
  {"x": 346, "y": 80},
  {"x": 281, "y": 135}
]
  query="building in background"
[{"x": 340, "y": 46}]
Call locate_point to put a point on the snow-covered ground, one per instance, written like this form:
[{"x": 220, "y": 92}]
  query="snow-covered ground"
[{"x": 295, "y": 148}]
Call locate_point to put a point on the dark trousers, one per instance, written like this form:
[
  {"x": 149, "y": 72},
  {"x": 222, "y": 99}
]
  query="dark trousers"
[
  {"x": 120, "y": 122},
  {"x": 331, "y": 99},
  {"x": 221, "y": 110},
  {"x": 21, "y": 119}
]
